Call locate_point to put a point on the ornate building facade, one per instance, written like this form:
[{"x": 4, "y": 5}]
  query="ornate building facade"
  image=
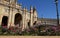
[{"x": 12, "y": 14}]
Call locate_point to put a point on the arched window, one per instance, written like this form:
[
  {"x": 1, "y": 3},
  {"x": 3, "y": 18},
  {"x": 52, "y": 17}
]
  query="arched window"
[
  {"x": 18, "y": 19},
  {"x": 4, "y": 21}
]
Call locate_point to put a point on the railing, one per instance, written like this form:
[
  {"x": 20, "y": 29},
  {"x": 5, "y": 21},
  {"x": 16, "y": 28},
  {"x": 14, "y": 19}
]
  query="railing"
[{"x": 48, "y": 23}]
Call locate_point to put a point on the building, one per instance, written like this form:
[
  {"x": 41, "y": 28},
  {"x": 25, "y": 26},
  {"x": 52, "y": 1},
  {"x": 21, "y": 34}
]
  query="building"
[
  {"x": 47, "y": 21},
  {"x": 12, "y": 14}
]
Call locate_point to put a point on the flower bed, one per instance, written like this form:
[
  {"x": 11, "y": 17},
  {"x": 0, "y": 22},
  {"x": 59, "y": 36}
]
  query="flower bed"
[{"x": 32, "y": 31}]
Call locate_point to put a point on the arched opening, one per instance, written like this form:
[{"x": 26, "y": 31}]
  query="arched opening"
[
  {"x": 34, "y": 23},
  {"x": 4, "y": 21},
  {"x": 18, "y": 19},
  {"x": 29, "y": 23}
]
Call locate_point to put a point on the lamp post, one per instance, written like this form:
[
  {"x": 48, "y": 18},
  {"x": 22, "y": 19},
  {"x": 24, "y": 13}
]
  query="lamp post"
[{"x": 56, "y": 2}]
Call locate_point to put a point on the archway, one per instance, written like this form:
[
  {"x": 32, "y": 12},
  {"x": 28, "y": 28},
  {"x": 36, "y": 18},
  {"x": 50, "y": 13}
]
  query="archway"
[
  {"x": 34, "y": 23},
  {"x": 29, "y": 23},
  {"x": 18, "y": 19},
  {"x": 4, "y": 21}
]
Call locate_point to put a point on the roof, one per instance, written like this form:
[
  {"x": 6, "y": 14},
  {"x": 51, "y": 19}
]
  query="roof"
[{"x": 47, "y": 19}]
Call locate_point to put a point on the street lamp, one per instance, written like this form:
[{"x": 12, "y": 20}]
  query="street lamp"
[{"x": 56, "y": 2}]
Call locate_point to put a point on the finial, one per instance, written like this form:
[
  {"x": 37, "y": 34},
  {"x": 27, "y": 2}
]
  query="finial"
[
  {"x": 34, "y": 9},
  {"x": 24, "y": 8},
  {"x": 31, "y": 9}
]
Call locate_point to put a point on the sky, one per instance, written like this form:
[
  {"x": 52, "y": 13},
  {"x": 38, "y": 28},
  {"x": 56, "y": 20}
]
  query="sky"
[{"x": 45, "y": 8}]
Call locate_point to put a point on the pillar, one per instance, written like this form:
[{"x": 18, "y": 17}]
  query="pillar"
[
  {"x": 1, "y": 13},
  {"x": 0, "y": 19},
  {"x": 12, "y": 19},
  {"x": 9, "y": 17},
  {"x": 31, "y": 16},
  {"x": 23, "y": 19},
  {"x": 34, "y": 14}
]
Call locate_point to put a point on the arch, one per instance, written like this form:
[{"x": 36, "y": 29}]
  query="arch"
[
  {"x": 4, "y": 21},
  {"x": 18, "y": 19},
  {"x": 29, "y": 23},
  {"x": 35, "y": 23}
]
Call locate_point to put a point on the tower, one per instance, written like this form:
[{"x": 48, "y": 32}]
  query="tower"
[
  {"x": 34, "y": 16},
  {"x": 31, "y": 16}
]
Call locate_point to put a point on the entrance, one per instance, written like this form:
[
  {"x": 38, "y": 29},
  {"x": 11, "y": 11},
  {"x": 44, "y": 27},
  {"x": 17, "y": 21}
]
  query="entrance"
[
  {"x": 34, "y": 23},
  {"x": 29, "y": 23},
  {"x": 18, "y": 19},
  {"x": 4, "y": 21}
]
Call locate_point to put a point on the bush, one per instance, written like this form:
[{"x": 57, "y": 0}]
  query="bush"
[{"x": 32, "y": 31}]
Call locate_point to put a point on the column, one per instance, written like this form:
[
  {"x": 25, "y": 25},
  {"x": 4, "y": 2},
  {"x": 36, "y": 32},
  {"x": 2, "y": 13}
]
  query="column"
[
  {"x": 31, "y": 16},
  {"x": 23, "y": 20},
  {"x": 9, "y": 18},
  {"x": 1, "y": 14},
  {"x": 12, "y": 19},
  {"x": 0, "y": 19}
]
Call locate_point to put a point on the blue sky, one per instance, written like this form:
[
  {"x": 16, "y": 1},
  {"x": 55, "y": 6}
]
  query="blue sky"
[{"x": 45, "y": 8}]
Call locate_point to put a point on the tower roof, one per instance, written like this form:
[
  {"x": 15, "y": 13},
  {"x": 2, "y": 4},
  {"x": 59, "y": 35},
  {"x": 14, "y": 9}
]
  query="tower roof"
[
  {"x": 31, "y": 9},
  {"x": 34, "y": 9}
]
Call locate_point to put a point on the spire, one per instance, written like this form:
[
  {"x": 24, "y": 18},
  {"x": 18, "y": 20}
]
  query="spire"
[
  {"x": 34, "y": 9},
  {"x": 56, "y": 1},
  {"x": 24, "y": 9},
  {"x": 31, "y": 9},
  {"x": 16, "y": 1}
]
